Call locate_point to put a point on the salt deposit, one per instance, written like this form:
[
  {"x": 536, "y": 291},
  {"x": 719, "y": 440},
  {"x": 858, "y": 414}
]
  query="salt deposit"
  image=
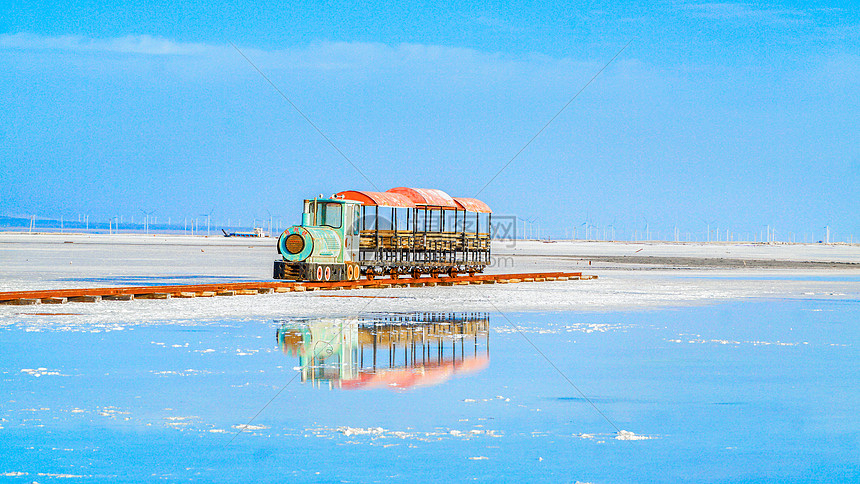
[
  {"x": 625, "y": 435},
  {"x": 48, "y": 261}
]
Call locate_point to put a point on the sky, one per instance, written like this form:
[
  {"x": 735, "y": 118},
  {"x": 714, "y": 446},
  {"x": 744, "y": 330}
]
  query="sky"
[{"x": 730, "y": 115}]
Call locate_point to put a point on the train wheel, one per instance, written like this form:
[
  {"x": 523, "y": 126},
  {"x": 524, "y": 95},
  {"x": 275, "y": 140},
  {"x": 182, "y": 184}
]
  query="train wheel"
[
  {"x": 394, "y": 274},
  {"x": 369, "y": 274},
  {"x": 452, "y": 272},
  {"x": 416, "y": 273},
  {"x": 348, "y": 272},
  {"x": 434, "y": 273}
]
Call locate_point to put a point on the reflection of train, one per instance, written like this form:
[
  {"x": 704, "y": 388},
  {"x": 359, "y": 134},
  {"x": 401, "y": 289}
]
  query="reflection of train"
[
  {"x": 390, "y": 351},
  {"x": 401, "y": 231}
]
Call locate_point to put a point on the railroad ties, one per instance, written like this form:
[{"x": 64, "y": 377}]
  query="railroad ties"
[{"x": 91, "y": 295}]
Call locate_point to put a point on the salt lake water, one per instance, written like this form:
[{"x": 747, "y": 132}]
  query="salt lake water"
[{"x": 753, "y": 391}]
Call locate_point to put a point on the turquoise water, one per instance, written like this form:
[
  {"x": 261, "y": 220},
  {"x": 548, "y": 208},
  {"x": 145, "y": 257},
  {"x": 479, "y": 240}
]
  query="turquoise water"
[{"x": 745, "y": 391}]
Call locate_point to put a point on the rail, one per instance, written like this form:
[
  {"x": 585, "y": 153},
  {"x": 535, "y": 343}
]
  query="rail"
[{"x": 60, "y": 296}]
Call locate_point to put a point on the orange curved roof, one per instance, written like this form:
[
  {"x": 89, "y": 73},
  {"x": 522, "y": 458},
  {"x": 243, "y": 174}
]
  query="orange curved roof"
[
  {"x": 472, "y": 205},
  {"x": 426, "y": 196},
  {"x": 418, "y": 376},
  {"x": 382, "y": 199}
]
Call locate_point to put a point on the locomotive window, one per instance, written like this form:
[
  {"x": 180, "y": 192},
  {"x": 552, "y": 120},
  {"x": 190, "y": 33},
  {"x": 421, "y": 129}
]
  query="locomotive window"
[
  {"x": 329, "y": 214},
  {"x": 311, "y": 207},
  {"x": 355, "y": 219}
]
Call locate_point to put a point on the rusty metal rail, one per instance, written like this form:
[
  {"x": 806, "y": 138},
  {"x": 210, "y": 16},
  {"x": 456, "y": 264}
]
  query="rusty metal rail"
[{"x": 60, "y": 296}]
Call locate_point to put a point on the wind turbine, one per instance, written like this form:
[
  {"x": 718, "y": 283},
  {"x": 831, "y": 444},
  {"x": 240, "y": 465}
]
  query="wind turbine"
[
  {"x": 585, "y": 235},
  {"x": 708, "y": 226},
  {"x": 529, "y": 232},
  {"x": 208, "y": 216},
  {"x": 146, "y": 220}
]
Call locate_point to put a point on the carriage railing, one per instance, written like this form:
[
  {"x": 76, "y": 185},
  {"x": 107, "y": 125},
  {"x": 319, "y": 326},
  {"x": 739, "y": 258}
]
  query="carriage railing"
[
  {"x": 372, "y": 239},
  {"x": 406, "y": 248}
]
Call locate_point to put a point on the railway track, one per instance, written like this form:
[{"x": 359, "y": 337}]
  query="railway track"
[{"x": 62, "y": 296}]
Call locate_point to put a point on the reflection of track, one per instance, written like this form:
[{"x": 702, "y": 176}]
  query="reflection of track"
[{"x": 56, "y": 296}]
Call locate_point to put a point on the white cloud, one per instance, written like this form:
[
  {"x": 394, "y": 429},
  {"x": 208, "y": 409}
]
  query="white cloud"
[
  {"x": 320, "y": 55},
  {"x": 744, "y": 11},
  {"x": 839, "y": 69},
  {"x": 497, "y": 24},
  {"x": 435, "y": 71},
  {"x": 132, "y": 44}
]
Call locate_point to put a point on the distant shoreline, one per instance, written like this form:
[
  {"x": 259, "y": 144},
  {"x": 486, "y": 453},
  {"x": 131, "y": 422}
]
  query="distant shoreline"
[{"x": 711, "y": 262}]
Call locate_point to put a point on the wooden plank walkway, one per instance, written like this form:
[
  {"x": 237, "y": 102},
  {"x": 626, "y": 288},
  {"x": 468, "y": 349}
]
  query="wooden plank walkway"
[{"x": 60, "y": 296}]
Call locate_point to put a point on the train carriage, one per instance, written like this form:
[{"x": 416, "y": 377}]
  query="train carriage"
[{"x": 403, "y": 230}]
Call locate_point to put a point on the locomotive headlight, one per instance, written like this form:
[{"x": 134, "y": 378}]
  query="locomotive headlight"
[{"x": 294, "y": 243}]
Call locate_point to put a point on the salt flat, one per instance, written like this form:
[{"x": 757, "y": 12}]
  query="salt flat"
[
  {"x": 734, "y": 250},
  {"x": 678, "y": 274}
]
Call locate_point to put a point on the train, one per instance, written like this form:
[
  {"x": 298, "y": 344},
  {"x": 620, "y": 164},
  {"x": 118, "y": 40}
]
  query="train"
[{"x": 402, "y": 231}]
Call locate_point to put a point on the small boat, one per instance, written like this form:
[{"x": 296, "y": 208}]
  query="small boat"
[{"x": 257, "y": 232}]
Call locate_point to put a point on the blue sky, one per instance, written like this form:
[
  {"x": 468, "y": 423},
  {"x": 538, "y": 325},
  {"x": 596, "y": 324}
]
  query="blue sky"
[{"x": 736, "y": 115}]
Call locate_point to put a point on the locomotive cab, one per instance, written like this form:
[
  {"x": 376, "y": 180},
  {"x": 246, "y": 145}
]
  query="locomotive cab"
[{"x": 325, "y": 246}]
